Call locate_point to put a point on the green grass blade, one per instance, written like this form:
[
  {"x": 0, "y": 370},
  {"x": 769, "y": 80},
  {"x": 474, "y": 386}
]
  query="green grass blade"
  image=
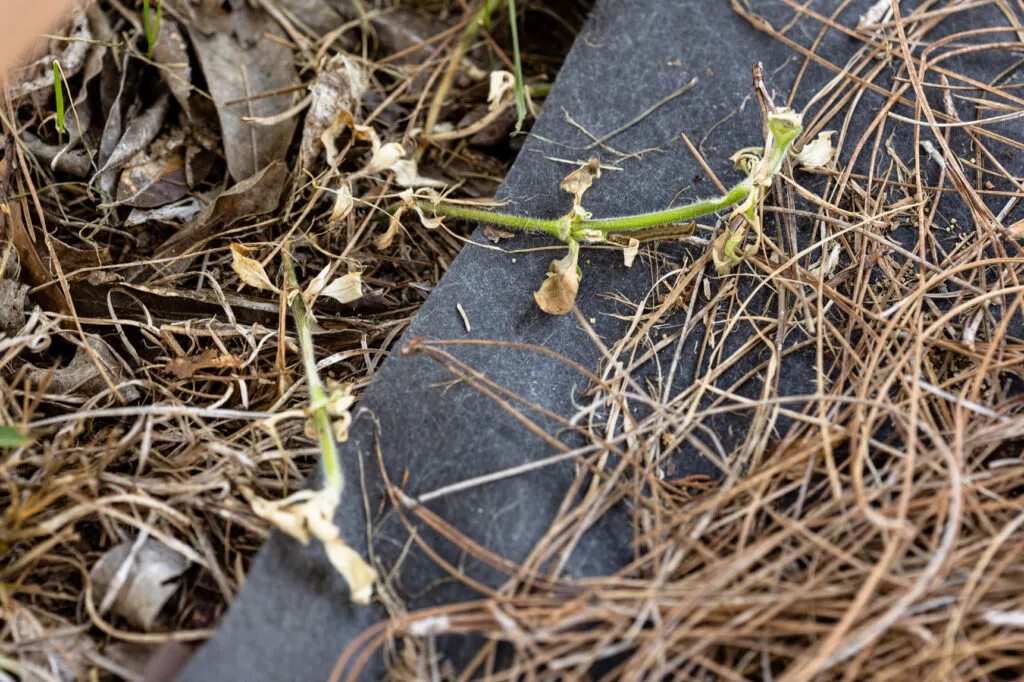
[
  {"x": 12, "y": 437},
  {"x": 517, "y": 60},
  {"x": 58, "y": 92}
]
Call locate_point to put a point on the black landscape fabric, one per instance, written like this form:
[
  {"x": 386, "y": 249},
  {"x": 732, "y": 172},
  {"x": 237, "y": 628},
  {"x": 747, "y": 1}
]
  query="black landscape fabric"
[{"x": 293, "y": 617}]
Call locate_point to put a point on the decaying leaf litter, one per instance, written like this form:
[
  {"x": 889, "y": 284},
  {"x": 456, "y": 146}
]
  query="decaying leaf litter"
[{"x": 151, "y": 370}]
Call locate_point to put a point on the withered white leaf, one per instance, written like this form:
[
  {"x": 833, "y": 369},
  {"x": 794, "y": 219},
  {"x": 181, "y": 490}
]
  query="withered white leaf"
[
  {"x": 579, "y": 181},
  {"x": 875, "y": 15},
  {"x": 343, "y": 202},
  {"x": 316, "y": 285},
  {"x": 407, "y": 174},
  {"x": 144, "y": 588},
  {"x": 249, "y": 270},
  {"x": 345, "y": 289},
  {"x": 385, "y": 157},
  {"x": 431, "y": 222},
  {"x": 557, "y": 296},
  {"x": 629, "y": 252},
  {"x": 502, "y": 82},
  {"x": 308, "y": 514},
  {"x": 817, "y": 153}
]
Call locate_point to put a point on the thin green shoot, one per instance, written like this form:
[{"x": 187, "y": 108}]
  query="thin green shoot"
[
  {"x": 13, "y": 437},
  {"x": 318, "y": 398},
  {"x": 58, "y": 92},
  {"x": 151, "y": 28},
  {"x": 517, "y": 60}
]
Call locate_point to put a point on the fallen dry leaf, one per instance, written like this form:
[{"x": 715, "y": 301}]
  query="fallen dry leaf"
[
  {"x": 250, "y": 270},
  {"x": 170, "y": 52},
  {"x": 557, "y": 296},
  {"x": 149, "y": 182},
  {"x": 254, "y": 196},
  {"x": 338, "y": 88},
  {"x": 142, "y": 576},
  {"x": 138, "y": 133},
  {"x": 234, "y": 70},
  {"x": 186, "y": 368}
]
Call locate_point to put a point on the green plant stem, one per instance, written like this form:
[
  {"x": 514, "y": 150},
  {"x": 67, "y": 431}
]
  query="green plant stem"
[
  {"x": 318, "y": 398},
  {"x": 552, "y": 227},
  {"x": 619, "y": 224},
  {"x": 670, "y": 215},
  {"x": 518, "y": 62}
]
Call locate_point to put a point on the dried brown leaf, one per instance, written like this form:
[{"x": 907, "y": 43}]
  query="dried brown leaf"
[
  {"x": 557, "y": 296},
  {"x": 170, "y": 52},
  {"x": 186, "y": 368},
  {"x": 250, "y": 270},
  {"x": 579, "y": 181},
  {"x": 338, "y": 88},
  {"x": 235, "y": 71}
]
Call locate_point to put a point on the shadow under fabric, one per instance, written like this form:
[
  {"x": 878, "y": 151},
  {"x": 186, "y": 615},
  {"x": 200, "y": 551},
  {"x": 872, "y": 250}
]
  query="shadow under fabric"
[{"x": 293, "y": 617}]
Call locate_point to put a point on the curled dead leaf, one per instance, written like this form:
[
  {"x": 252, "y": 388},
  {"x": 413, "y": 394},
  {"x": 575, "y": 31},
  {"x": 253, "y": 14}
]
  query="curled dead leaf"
[
  {"x": 82, "y": 377},
  {"x": 407, "y": 174},
  {"x": 338, "y": 88},
  {"x": 345, "y": 289},
  {"x": 630, "y": 251},
  {"x": 578, "y": 182},
  {"x": 343, "y": 202},
  {"x": 501, "y": 83},
  {"x": 142, "y": 575},
  {"x": 557, "y": 295},
  {"x": 250, "y": 270},
  {"x": 309, "y": 514},
  {"x": 385, "y": 240},
  {"x": 385, "y": 157},
  {"x": 819, "y": 153}
]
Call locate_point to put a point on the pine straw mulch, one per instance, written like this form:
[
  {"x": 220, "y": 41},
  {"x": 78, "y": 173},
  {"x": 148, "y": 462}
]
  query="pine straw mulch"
[
  {"x": 877, "y": 535},
  {"x": 132, "y": 350}
]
